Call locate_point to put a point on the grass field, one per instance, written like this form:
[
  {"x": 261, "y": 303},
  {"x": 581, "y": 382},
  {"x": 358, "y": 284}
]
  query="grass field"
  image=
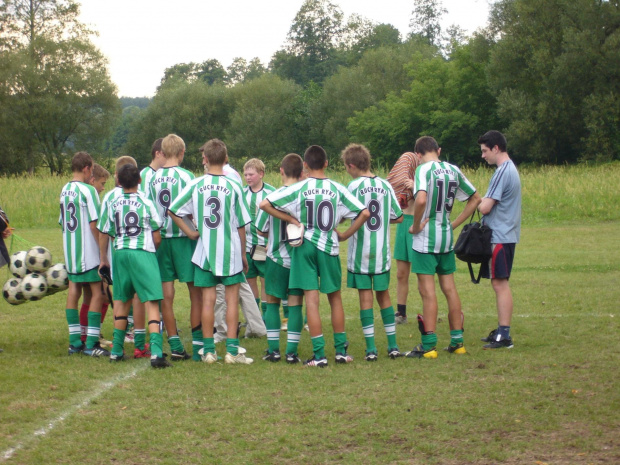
[{"x": 553, "y": 399}]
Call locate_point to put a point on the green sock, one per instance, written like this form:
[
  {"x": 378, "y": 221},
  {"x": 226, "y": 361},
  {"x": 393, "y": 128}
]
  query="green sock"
[
  {"x": 197, "y": 342},
  {"x": 272, "y": 322},
  {"x": 318, "y": 346},
  {"x": 429, "y": 341},
  {"x": 73, "y": 320},
  {"x": 340, "y": 340},
  {"x": 368, "y": 327},
  {"x": 139, "y": 338},
  {"x": 118, "y": 341},
  {"x": 157, "y": 342},
  {"x": 208, "y": 344},
  {"x": 285, "y": 308},
  {"x": 94, "y": 327},
  {"x": 389, "y": 323},
  {"x": 295, "y": 325},
  {"x": 456, "y": 337},
  {"x": 175, "y": 343},
  {"x": 232, "y": 346}
]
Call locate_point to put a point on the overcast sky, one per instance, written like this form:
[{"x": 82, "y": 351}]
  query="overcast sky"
[{"x": 141, "y": 38}]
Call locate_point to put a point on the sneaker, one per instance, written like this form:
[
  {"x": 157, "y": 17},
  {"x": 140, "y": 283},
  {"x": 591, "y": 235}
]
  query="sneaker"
[
  {"x": 137, "y": 353},
  {"x": 159, "y": 362},
  {"x": 76, "y": 350},
  {"x": 292, "y": 359},
  {"x": 103, "y": 342},
  {"x": 501, "y": 344},
  {"x": 129, "y": 339},
  {"x": 118, "y": 358},
  {"x": 272, "y": 356},
  {"x": 176, "y": 355},
  {"x": 96, "y": 351},
  {"x": 209, "y": 357},
  {"x": 490, "y": 337},
  {"x": 419, "y": 352},
  {"x": 394, "y": 353},
  {"x": 240, "y": 359},
  {"x": 400, "y": 319},
  {"x": 343, "y": 358},
  {"x": 284, "y": 326},
  {"x": 371, "y": 357},
  {"x": 457, "y": 349},
  {"x": 314, "y": 362}
]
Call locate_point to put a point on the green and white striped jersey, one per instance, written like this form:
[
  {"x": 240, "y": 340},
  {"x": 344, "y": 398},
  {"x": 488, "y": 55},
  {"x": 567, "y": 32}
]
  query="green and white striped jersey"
[
  {"x": 79, "y": 206},
  {"x": 320, "y": 205},
  {"x": 146, "y": 176},
  {"x": 217, "y": 205},
  {"x": 166, "y": 185},
  {"x": 252, "y": 201},
  {"x": 130, "y": 220},
  {"x": 105, "y": 203},
  {"x": 277, "y": 248},
  {"x": 442, "y": 183},
  {"x": 369, "y": 247}
]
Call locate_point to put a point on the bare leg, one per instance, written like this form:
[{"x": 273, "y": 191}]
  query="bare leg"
[
  {"x": 166, "y": 308},
  {"x": 312, "y": 309},
  {"x": 426, "y": 286},
  {"x": 454, "y": 303},
  {"x": 335, "y": 302},
  {"x": 232, "y": 309},
  {"x": 503, "y": 298}
]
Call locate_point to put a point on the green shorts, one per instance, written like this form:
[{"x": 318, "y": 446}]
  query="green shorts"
[
  {"x": 431, "y": 263},
  {"x": 174, "y": 257},
  {"x": 204, "y": 278},
  {"x": 404, "y": 240},
  {"x": 136, "y": 272},
  {"x": 377, "y": 282},
  {"x": 276, "y": 281},
  {"x": 308, "y": 263},
  {"x": 90, "y": 276},
  {"x": 255, "y": 268}
]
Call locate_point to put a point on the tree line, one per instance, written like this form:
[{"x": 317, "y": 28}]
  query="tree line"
[{"x": 545, "y": 72}]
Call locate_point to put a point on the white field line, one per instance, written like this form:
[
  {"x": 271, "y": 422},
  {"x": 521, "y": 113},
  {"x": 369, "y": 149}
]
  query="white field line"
[
  {"x": 101, "y": 389},
  {"x": 468, "y": 315}
]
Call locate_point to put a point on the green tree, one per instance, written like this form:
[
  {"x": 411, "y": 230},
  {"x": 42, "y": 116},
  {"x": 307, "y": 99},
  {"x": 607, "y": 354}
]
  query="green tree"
[
  {"x": 241, "y": 71},
  {"x": 55, "y": 91},
  {"x": 426, "y": 20}
]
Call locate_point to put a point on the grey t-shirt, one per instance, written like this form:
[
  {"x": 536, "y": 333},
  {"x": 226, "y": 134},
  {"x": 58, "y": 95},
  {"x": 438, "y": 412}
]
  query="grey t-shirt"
[{"x": 505, "y": 216}]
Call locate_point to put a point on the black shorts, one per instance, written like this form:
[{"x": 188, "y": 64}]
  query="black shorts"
[{"x": 500, "y": 264}]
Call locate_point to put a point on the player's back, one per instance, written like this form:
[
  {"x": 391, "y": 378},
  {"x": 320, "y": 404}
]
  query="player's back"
[
  {"x": 278, "y": 249},
  {"x": 166, "y": 185},
  {"x": 146, "y": 176},
  {"x": 253, "y": 200}
]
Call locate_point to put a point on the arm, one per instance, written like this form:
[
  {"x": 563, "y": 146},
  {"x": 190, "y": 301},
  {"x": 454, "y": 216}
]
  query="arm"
[
  {"x": 486, "y": 205},
  {"x": 156, "y": 238},
  {"x": 262, "y": 234},
  {"x": 358, "y": 223},
  {"x": 241, "y": 231},
  {"x": 397, "y": 220},
  {"x": 189, "y": 232},
  {"x": 104, "y": 241},
  {"x": 470, "y": 208},
  {"x": 273, "y": 211},
  {"x": 418, "y": 211}
]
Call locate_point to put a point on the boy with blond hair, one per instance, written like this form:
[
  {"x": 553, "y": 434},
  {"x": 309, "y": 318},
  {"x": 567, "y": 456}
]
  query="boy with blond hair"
[
  {"x": 369, "y": 259},
  {"x": 217, "y": 204},
  {"x": 176, "y": 250}
]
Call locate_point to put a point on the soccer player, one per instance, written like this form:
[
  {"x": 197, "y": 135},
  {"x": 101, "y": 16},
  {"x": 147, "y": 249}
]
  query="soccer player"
[
  {"x": 401, "y": 178},
  {"x": 158, "y": 160},
  {"x": 255, "y": 191},
  {"x": 437, "y": 184},
  {"x": 79, "y": 211},
  {"x": 277, "y": 273},
  {"x": 221, "y": 215},
  {"x": 175, "y": 253},
  {"x": 368, "y": 258},
  {"x": 132, "y": 220},
  {"x": 319, "y": 204},
  {"x": 501, "y": 207}
]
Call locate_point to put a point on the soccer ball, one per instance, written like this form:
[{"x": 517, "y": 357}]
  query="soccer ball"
[
  {"x": 17, "y": 264},
  {"x": 39, "y": 259},
  {"x": 34, "y": 286},
  {"x": 12, "y": 291},
  {"x": 57, "y": 278}
]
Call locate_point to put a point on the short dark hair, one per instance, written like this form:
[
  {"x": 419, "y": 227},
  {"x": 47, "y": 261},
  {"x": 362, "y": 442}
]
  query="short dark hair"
[
  {"x": 356, "y": 155},
  {"x": 292, "y": 165},
  {"x": 426, "y": 144},
  {"x": 156, "y": 147},
  {"x": 128, "y": 176},
  {"x": 215, "y": 151},
  {"x": 80, "y": 161},
  {"x": 315, "y": 157},
  {"x": 493, "y": 138}
]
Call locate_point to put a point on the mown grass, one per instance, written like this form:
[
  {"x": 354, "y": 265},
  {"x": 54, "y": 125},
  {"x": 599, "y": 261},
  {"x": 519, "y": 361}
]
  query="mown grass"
[{"x": 553, "y": 399}]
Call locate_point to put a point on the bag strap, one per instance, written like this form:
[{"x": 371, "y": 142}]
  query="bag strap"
[{"x": 471, "y": 273}]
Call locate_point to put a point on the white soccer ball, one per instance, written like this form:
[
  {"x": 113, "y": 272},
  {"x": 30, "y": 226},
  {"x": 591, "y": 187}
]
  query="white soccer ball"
[
  {"x": 12, "y": 291},
  {"x": 38, "y": 259},
  {"x": 57, "y": 277},
  {"x": 17, "y": 264},
  {"x": 34, "y": 286}
]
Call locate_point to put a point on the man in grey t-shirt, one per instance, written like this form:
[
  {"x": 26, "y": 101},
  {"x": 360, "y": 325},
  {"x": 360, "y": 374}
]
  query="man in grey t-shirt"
[{"x": 501, "y": 207}]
